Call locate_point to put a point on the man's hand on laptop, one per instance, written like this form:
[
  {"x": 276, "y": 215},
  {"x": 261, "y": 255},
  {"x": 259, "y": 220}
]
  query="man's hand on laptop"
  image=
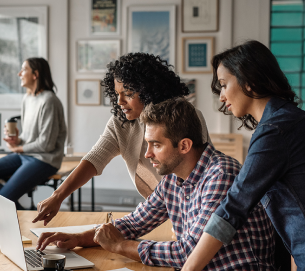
[
  {"x": 61, "y": 240},
  {"x": 66, "y": 240}
]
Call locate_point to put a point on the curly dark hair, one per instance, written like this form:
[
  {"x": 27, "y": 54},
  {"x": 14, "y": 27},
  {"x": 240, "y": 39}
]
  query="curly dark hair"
[
  {"x": 254, "y": 65},
  {"x": 146, "y": 74}
]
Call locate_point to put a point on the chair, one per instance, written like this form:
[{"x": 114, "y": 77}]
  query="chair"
[
  {"x": 229, "y": 144},
  {"x": 53, "y": 181},
  {"x": 47, "y": 183}
]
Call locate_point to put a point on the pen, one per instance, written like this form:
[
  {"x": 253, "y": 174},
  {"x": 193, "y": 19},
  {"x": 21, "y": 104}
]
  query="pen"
[{"x": 109, "y": 218}]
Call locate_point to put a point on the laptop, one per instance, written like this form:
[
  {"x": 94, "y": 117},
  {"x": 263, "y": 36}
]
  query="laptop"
[{"x": 11, "y": 243}]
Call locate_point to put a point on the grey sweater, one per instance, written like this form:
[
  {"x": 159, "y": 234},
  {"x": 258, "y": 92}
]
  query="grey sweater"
[{"x": 43, "y": 128}]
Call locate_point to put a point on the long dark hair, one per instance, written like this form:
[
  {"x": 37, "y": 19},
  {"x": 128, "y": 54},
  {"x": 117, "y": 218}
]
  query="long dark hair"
[
  {"x": 254, "y": 65},
  {"x": 45, "y": 81},
  {"x": 148, "y": 75}
]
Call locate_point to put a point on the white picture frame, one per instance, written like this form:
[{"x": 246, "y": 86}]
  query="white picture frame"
[
  {"x": 88, "y": 92},
  {"x": 199, "y": 15},
  {"x": 25, "y": 31},
  {"x": 94, "y": 55},
  {"x": 152, "y": 29},
  {"x": 197, "y": 53},
  {"x": 105, "y": 18}
]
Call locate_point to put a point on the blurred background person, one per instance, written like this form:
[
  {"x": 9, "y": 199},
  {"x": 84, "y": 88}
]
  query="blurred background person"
[{"x": 38, "y": 151}]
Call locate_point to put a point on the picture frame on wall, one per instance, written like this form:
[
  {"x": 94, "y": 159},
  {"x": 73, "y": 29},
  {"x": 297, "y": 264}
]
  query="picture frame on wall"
[
  {"x": 199, "y": 15},
  {"x": 152, "y": 29},
  {"x": 24, "y": 34},
  {"x": 105, "y": 17},
  {"x": 88, "y": 50},
  {"x": 88, "y": 92},
  {"x": 197, "y": 53}
]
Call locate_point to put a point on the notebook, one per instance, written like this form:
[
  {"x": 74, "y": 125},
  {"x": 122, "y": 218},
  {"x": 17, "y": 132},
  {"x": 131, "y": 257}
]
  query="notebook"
[{"x": 11, "y": 243}]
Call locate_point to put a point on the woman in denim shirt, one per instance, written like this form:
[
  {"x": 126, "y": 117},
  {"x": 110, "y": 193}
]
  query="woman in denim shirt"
[{"x": 253, "y": 88}]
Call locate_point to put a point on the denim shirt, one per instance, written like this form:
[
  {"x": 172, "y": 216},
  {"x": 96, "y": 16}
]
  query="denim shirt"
[{"x": 273, "y": 173}]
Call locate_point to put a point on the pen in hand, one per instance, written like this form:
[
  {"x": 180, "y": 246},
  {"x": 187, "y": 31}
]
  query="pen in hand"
[{"x": 109, "y": 219}]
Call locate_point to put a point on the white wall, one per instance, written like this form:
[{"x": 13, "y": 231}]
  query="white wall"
[{"x": 251, "y": 20}]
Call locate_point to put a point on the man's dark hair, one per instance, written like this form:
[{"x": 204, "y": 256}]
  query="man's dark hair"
[
  {"x": 255, "y": 66},
  {"x": 148, "y": 75},
  {"x": 179, "y": 118},
  {"x": 45, "y": 81}
]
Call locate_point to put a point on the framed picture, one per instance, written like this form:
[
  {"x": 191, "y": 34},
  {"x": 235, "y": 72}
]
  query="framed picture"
[
  {"x": 24, "y": 32},
  {"x": 199, "y": 15},
  {"x": 88, "y": 92},
  {"x": 197, "y": 54},
  {"x": 191, "y": 84},
  {"x": 152, "y": 29},
  {"x": 94, "y": 55},
  {"x": 105, "y": 17}
]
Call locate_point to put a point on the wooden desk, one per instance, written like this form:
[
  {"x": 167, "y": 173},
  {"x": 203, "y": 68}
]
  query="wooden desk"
[{"x": 102, "y": 259}]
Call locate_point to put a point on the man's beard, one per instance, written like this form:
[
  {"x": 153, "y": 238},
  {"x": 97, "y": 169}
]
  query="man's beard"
[{"x": 169, "y": 166}]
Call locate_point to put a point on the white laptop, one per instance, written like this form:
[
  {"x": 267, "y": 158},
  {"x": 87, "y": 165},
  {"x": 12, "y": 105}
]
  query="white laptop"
[{"x": 11, "y": 243}]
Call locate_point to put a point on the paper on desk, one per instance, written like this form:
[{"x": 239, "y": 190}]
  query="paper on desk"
[
  {"x": 69, "y": 229},
  {"x": 122, "y": 269}
]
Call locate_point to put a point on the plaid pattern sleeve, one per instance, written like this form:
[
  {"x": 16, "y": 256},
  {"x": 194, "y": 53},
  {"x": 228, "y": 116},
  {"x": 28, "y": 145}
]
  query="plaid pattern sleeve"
[
  {"x": 146, "y": 217},
  {"x": 189, "y": 204},
  {"x": 196, "y": 215}
]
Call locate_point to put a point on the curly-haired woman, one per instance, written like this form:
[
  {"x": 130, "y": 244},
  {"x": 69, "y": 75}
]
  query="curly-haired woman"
[{"x": 131, "y": 82}]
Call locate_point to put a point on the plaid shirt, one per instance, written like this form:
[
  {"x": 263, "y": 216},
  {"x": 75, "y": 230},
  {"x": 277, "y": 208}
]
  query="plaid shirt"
[{"x": 189, "y": 204}]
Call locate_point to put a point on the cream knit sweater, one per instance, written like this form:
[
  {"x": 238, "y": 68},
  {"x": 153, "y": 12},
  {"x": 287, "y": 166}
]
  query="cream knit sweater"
[{"x": 129, "y": 142}]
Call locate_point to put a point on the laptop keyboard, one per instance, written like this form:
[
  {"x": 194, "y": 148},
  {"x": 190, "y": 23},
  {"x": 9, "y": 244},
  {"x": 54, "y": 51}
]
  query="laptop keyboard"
[{"x": 33, "y": 257}]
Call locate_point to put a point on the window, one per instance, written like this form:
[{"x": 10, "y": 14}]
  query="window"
[{"x": 287, "y": 41}]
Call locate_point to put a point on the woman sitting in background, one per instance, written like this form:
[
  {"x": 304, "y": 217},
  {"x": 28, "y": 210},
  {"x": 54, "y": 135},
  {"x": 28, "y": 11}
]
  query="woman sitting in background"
[
  {"x": 132, "y": 82},
  {"x": 38, "y": 151}
]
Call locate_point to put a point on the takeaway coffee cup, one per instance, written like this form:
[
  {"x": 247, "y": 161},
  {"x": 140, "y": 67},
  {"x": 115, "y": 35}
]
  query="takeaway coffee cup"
[
  {"x": 53, "y": 262},
  {"x": 11, "y": 125}
]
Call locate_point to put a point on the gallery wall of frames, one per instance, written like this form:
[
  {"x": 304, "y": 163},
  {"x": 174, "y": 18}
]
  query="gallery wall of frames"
[{"x": 150, "y": 29}]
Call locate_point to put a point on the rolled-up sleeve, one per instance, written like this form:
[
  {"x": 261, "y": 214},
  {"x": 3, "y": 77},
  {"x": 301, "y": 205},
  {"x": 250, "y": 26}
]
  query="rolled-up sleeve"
[{"x": 145, "y": 218}]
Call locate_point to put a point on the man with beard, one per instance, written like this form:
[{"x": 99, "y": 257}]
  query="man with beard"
[{"x": 196, "y": 179}]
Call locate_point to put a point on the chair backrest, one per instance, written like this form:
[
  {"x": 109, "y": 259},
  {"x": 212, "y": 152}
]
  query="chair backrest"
[{"x": 229, "y": 144}]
